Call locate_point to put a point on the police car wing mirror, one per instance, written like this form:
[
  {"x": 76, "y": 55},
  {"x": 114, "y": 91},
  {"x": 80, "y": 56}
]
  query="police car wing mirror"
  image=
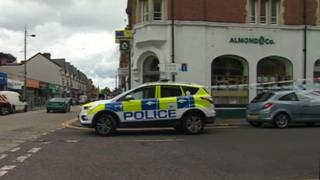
[{"x": 128, "y": 98}]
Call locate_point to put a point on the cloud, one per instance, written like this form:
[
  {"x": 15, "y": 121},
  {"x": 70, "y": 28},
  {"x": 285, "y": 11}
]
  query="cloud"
[{"x": 81, "y": 31}]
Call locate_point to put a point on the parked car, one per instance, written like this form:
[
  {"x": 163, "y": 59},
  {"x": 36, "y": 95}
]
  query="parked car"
[
  {"x": 11, "y": 102},
  {"x": 83, "y": 99},
  {"x": 284, "y": 107},
  {"x": 58, "y": 104}
]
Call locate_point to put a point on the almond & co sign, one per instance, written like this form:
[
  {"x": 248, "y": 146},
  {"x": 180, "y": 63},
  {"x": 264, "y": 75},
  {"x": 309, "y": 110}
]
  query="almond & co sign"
[{"x": 252, "y": 40}]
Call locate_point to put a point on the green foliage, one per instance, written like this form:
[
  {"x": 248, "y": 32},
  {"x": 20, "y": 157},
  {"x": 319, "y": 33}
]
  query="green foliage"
[{"x": 105, "y": 91}]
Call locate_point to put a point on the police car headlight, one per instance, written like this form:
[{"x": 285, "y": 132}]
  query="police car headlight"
[{"x": 86, "y": 107}]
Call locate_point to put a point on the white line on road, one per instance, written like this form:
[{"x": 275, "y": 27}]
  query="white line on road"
[
  {"x": 15, "y": 149},
  {"x": 43, "y": 134},
  {"x": 158, "y": 140},
  {"x": 34, "y": 150},
  {"x": 20, "y": 159},
  {"x": 72, "y": 141},
  {"x": 2, "y": 173},
  {"x": 8, "y": 168},
  {"x": 2, "y": 156}
]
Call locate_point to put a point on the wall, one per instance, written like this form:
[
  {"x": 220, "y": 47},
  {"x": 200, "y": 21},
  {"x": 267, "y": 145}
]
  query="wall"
[{"x": 42, "y": 69}]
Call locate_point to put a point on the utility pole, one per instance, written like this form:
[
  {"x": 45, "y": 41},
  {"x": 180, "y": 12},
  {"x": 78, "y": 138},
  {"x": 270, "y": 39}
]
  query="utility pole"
[
  {"x": 25, "y": 61},
  {"x": 172, "y": 38}
]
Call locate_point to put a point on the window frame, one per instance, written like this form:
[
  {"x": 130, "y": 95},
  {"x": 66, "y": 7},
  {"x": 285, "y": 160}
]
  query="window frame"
[
  {"x": 122, "y": 98},
  {"x": 284, "y": 96},
  {"x": 176, "y": 86},
  {"x": 269, "y": 18}
]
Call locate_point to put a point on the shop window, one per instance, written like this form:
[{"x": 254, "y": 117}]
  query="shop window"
[
  {"x": 274, "y": 73},
  {"x": 229, "y": 80},
  {"x": 264, "y": 11}
]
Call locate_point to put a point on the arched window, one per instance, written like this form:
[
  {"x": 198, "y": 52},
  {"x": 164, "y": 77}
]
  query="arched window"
[
  {"x": 151, "y": 71},
  {"x": 229, "y": 75}
]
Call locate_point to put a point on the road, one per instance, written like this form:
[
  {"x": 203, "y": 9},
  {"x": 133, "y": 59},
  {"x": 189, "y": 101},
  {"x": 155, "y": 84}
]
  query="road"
[
  {"x": 220, "y": 153},
  {"x": 21, "y": 127}
]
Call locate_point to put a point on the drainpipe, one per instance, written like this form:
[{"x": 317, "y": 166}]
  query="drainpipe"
[
  {"x": 172, "y": 38},
  {"x": 305, "y": 42}
]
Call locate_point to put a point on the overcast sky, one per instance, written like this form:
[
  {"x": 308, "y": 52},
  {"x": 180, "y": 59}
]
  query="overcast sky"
[{"x": 81, "y": 31}]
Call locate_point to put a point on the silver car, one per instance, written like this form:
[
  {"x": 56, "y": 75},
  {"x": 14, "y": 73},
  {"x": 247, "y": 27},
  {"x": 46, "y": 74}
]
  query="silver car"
[{"x": 283, "y": 107}]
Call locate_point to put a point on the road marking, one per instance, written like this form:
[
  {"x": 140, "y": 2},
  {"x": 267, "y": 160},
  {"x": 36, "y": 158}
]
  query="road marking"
[
  {"x": 3, "y": 156},
  {"x": 72, "y": 141},
  {"x": 45, "y": 143},
  {"x": 20, "y": 159},
  {"x": 15, "y": 149},
  {"x": 158, "y": 140},
  {"x": 44, "y": 134},
  {"x": 68, "y": 124},
  {"x": 8, "y": 168},
  {"x": 225, "y": 127},
  {"x": 34, "y": 150},
  {"x": 2, "y": 173}
]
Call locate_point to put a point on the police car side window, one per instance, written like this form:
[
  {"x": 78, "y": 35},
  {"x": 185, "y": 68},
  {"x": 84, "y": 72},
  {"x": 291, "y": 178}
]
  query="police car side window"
[
  {"x": 170, "y": 91},
  {"x": 189, "y": 90},
  {"x": 144, "y": 93}
]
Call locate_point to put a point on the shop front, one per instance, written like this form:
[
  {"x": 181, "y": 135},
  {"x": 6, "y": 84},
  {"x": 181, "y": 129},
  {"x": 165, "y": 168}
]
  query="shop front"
[
  {"x": 33, "y": 93},
  {"x": 15, "y": 85},
  {"x": 3, "y": 81}
]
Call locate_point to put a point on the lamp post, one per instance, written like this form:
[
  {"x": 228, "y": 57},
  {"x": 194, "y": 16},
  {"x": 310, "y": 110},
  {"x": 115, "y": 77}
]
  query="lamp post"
[{"x": 25, "y": 60}]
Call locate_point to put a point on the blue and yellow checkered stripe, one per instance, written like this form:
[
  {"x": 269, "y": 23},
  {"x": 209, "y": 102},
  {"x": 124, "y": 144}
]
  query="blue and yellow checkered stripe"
[{"x": 184, "y": 102}]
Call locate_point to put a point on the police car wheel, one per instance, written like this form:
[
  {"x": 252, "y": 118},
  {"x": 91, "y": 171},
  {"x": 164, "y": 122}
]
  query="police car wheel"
[
  {"x": 105, "y": 125},
  {"x": 193, "y": 123}
]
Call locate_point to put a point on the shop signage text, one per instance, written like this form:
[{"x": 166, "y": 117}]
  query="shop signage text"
[
  {"x": 249, "y": 40},
  {"x": 15, "y": 84}
]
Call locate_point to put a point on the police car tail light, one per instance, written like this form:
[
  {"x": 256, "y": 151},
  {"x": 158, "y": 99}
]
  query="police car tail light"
[{"x": 208, "y": 98}]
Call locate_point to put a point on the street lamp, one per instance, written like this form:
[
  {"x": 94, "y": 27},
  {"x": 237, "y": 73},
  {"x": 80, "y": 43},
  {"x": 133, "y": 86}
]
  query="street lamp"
[{"x": 25, "y": 60}]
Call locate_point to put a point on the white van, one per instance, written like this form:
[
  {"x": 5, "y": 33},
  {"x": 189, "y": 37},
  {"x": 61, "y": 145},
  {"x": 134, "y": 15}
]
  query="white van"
[{"x": 14, "y": 99}]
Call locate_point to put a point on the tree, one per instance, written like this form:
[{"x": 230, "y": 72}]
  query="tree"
[
  {"x": 105, "y": 91},
  {"x": 10, "y": 58}
]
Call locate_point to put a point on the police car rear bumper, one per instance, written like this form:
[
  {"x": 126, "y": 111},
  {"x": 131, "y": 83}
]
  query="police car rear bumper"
[{"x": 210, "y": 120}]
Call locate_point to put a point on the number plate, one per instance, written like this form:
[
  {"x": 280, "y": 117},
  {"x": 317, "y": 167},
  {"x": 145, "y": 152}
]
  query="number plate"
[{"x": 252, "y": 116}]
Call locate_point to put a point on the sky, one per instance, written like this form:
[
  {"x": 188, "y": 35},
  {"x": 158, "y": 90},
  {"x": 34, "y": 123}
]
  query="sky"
[{"x": 81, "y": 31}]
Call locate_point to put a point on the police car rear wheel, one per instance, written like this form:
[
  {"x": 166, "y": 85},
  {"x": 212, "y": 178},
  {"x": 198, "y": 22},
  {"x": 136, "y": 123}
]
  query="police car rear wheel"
[
  {"x": 105, "y": 125},
  {"x": 193, "y": 123}
]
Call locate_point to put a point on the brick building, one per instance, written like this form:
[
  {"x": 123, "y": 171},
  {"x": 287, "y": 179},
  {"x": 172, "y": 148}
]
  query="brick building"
[{"x": 236, "y": 48}]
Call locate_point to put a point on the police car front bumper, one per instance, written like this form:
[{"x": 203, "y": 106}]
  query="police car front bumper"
[{"x": 210, "y": 120}]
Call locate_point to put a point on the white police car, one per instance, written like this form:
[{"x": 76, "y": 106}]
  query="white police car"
[{"x": 186, "y": 107}]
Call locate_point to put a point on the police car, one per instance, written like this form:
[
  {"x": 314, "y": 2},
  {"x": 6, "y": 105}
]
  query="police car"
[{"x": 186, "y": 107}]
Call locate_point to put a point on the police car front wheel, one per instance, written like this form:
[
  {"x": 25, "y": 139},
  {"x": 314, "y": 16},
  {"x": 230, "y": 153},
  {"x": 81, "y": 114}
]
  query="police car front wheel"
[
  {"x": 105, "y": 125},
  {"x": 193, "y": 123}
]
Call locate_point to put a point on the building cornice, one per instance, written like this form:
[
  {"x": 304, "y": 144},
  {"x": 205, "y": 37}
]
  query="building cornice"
[{"x": 224, "y": 25}]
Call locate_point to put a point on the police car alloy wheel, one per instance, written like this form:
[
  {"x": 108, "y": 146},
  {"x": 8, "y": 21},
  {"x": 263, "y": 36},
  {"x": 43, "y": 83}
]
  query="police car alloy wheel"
[
  {"x": 105, "y": 125},
  {"x": 193, "y": 123}
]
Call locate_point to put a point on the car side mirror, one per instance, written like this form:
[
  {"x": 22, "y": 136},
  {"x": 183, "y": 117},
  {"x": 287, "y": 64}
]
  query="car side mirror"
[{"x": 128, "y": 98}]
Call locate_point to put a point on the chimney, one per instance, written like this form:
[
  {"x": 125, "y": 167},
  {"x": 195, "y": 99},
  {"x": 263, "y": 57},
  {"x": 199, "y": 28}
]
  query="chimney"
[{"x": 47, "y": 55}]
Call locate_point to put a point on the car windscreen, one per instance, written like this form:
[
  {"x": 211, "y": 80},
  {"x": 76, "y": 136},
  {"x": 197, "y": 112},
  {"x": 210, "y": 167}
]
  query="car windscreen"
[
  {"x": 57, "y": 100},
  {"x": 262, "y": 97}
]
